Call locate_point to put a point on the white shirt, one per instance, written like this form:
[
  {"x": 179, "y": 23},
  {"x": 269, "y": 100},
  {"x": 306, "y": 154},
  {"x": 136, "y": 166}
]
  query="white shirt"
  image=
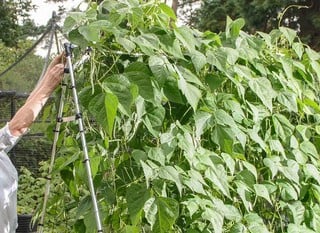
[{"x": 8, "y": 183}]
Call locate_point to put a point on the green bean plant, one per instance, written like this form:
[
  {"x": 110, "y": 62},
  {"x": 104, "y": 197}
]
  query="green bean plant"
[{"x": 191, "y": 131}]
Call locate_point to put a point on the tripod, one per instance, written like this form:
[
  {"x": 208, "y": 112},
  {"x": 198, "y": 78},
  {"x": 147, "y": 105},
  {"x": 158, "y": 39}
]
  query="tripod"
[{"x": 78, "y": 117}]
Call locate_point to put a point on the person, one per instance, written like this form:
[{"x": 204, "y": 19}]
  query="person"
[{"x": 10, "y": 134}]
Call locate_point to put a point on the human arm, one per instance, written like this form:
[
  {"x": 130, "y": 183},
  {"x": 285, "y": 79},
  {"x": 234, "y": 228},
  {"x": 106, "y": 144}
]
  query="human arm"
[{"x": 25, "y": 116}]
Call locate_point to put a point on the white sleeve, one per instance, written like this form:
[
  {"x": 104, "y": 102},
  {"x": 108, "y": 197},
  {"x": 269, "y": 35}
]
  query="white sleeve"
[{"x": 7, "y": 140}]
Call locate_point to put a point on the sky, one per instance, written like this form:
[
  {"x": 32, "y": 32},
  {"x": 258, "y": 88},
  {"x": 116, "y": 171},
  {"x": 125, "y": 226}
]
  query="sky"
[
  {"x": 44, "y": 10},
  {"x": 43, "y": 14}
]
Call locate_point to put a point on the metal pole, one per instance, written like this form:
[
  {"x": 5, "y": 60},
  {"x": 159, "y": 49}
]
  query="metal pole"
[
  {"x": 68, "y": 52},
  {"x": 53, "y": 155}
]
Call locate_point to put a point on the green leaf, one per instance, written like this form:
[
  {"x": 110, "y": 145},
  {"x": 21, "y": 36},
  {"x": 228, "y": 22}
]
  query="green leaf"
[
  {"x": 298, "y": 48},
  {"x": 73, "y": 20},
  {"x": 215, "y": 218},
  {"x": 224, "y": 137},
  {"x": 230, "y": 162},
  {"x": 139, "y": 74},
  {"x": 150, "y": 209},
  {"x": 308, "y": 148},
  {"x": 185, "y": 36},
  {"x": 104, "y": 108},
  {"x": 288, "y": 193},
  {"x": 120, "y": 86},
  {"x": 167, "y": 10},
  {"x": 214, "y": 81},
  {"x": 168, "y": 212},
  {"x": 289, "y": 100},
  {"x": 199, "y": 60},
  {"x": 128, "y": 45},
  {"x": 136, "y": 195},
  {"x": 84, "y": 206},
  {"x": 233, "y": 28},
  {"x": 154, "y": 118},
  {"x": 273, "y": 163},
  {"x": 283, "y": 127},
  {"x": 224, "y": 119},
  {"x": 217, "y": 58},
  {"x": 148, "y": 172},
  {"x": 202, "y": 122},
  {"x": 244, "y": 192},
  {"x": 297, "y": 210},
  {"x": 262, "y": 191},
  {"x": 289, "y": 33},
  {"x": 238, "y": 228},
  {"x": 188, "y": 75},
  {"x": 263, "y": 89},
  {"x": 294, "y": 228},
  {"x": 253, "y": 133},
  {"x": 171, "y": 45},
  {"x": 130, "y": 229},
  {"x": 111, "y": 106},
  {"x": 218, "y": 176},
  {"x": 291, "y": 171},
  {"x": 255, "y": 223},
  {"x": 97, "y": 107},
  {"x": 90, "y": 33},
  {"x": 156, "y": 154},
  {"x": 172, "y": 92},
  {"x": 315, "y": 223},
  {"x": 287, "y": 66},
  {"x": 190, "y": 91},
  {"x": 161, "y": 68},
  {"x": 147, "y": 42},
  {"x": 171, "y": 173},
  {"x": 312, "y": 171},
  {"x": 195, "y": 182},
  {"x": 313, "y": 55}
]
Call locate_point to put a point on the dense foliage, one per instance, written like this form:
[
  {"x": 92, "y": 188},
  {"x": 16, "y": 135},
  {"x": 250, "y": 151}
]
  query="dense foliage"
[
  {"x": 300, "y": 15},
  {"x": 193, "y": 132}
]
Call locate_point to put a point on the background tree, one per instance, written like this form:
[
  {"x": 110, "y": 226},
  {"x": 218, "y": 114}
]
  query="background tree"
[
  {"x": 15, "y": 22},
  {"x": 301, "y": 15}
]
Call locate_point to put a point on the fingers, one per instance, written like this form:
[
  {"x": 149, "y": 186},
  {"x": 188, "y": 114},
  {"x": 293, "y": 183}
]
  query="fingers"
[{"x": 54, "y": 76}]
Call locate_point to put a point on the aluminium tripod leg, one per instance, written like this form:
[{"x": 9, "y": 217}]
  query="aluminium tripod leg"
[
  {"x": 53, "y": 155},
  {"x": 78, "y": 116}
]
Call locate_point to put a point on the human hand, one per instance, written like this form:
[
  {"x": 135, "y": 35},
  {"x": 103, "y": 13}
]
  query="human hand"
[
  {"x": 61, "y": 58},
  {"x": 53, "y": 76}
]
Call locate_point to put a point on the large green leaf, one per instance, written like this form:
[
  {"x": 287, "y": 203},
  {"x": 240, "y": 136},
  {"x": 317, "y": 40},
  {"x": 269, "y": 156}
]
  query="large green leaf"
[
  {"x": 263, "y": 89},
  {"x": 218, "y": 176},
  {"x": 160, "y": 67},
  {"x": 262, "y": 191},
  {"x": 255, "y": 223},
  {"x": 120, "y": 86},
  {"x": 185, "y": 36},
  {"x": 172, "y": 174},
  {"x": 171, "y": 45},
  {"x": 147, "y": 42},
  {"x": 73, "y": 20},
  {"x": 139, "y": 74},
  {"x": 282, "y": 126},
  {"x": 97, "y": 107},
  {"x": 154, "y": 118},
  {"x": 190, "y": 91},
  {"x": 136, "y": 195},
  {"x": 167, "y": 213},
  {"x": 215, "y": 218},
  {"x": 111, "y": 106}
]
